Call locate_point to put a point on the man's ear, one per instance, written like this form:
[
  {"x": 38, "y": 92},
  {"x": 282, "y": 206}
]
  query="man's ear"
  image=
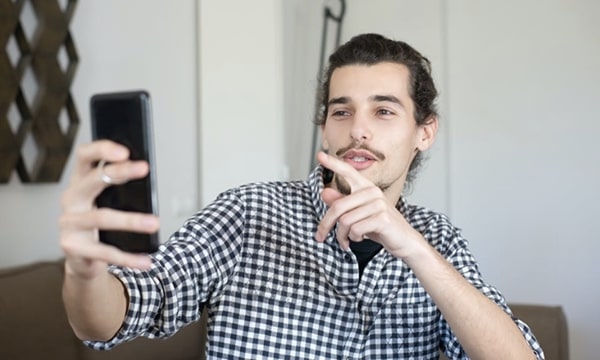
[{"x": 427, "y": 133}]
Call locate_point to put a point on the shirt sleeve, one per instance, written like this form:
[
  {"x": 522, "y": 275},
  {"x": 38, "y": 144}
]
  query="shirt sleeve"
[
  {"x": 450, "y": 243},
  {"x": 186, "y": 272}
]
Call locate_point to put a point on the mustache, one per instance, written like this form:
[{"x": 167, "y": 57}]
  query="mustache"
[{"x": 354, "y": 146}]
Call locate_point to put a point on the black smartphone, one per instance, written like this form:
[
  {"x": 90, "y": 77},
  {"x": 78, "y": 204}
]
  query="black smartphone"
[{"x": 126, "y": 118}]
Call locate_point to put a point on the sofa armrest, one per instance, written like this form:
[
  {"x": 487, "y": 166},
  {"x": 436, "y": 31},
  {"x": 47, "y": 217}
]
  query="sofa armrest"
[{"x": 549, "y": 325}]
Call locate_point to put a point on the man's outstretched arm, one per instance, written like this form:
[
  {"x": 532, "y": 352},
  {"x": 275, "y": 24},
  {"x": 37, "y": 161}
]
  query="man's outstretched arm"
[{"x": 95, "y": 300}]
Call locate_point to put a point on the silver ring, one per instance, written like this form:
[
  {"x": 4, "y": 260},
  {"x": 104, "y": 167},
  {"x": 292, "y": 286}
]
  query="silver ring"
[{"x": 105, "y": 178}]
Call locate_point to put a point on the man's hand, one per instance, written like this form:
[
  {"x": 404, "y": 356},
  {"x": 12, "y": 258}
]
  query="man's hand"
[
  {"x": 86, "y": 257},
  {"x": 365, "y": 213}
]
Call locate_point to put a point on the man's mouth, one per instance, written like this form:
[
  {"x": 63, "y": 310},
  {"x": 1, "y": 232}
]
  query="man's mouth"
[
  {"x": 358, "y": 155},
  {"x": 359, "y": 159}
]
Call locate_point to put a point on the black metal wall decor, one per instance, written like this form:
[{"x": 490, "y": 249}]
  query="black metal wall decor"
[
  {"x": 38, "y": 118},
  {"x": 326, "y": 47}
]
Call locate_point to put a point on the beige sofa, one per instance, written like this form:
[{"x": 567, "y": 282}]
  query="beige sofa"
[{"x": 33, "y": 324}]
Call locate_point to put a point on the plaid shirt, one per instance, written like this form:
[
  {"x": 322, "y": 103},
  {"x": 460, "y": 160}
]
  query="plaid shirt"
[{"x": 273, "y": 292}]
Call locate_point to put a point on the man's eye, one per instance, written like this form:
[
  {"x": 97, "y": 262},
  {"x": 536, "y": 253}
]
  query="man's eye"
[
  {"x": 384, "y": 112},
  {"x": 339, "y": 113}
]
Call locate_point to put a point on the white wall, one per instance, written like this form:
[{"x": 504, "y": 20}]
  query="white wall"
[
  {"x": 241, "y": 86},
  {"x": 122, "y": 45},
  {"x": 302, "y": 46},
  {"x": 524, "y": 95}
]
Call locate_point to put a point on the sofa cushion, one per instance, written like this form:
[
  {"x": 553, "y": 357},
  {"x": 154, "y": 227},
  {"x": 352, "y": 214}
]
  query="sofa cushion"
[{"x": 33, "y": 322}]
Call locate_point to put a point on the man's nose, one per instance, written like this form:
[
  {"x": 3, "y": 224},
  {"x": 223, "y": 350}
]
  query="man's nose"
[{"x": 360, "y": 130}]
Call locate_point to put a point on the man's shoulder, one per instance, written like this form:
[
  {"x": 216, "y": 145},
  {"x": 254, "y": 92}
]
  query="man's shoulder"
[
  {"x": 436, "y": 228},
  {"x": 425, "y": 219},
  {"x": 419, "y": 212},
  {"x": 270, "y": 191}
]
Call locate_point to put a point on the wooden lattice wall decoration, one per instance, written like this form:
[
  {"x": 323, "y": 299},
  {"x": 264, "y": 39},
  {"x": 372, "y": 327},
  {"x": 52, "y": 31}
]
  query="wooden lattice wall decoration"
[{"x": 38, "y": 118}]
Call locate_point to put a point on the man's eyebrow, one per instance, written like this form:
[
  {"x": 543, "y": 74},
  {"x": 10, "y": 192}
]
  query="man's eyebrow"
[
  {"x": 339, "y": 100},
  {"x": 386, "y": 98},
  {"x": 375, "y": 98}
]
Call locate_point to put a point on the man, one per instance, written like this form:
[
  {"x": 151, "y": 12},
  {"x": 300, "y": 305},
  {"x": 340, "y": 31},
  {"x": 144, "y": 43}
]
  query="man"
[{"x": 338, "y": 266}]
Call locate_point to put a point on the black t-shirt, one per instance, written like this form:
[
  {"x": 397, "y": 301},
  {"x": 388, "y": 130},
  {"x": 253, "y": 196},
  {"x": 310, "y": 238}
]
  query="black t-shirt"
[{"x": 364, "y": 251}]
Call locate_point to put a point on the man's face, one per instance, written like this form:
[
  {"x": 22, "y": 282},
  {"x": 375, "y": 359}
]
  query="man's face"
[{"x": 371, "y": 126}]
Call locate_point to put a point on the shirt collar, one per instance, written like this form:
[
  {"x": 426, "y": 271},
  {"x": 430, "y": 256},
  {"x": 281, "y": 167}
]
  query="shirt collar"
[{"x": 315, "y": 182}]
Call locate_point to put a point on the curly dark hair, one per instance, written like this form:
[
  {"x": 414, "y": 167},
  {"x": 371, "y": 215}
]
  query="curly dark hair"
[{"x": 370, "y": 49}]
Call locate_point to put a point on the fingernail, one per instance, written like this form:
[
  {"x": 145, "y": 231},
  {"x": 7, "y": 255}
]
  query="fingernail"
[
  {"x": 149, "y": 221},
  {"x": 120, "y": 152}
]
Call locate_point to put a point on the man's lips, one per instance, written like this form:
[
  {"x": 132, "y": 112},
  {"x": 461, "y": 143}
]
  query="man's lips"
[{"x": 359, "y": 159}]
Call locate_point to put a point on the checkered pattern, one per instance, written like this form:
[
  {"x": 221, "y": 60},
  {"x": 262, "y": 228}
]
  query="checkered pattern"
[{"x": 273, "y": 292}]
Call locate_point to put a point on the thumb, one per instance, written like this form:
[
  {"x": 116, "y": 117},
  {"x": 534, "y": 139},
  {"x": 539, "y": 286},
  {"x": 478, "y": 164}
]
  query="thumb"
[{"x": 330, "y": 196}]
